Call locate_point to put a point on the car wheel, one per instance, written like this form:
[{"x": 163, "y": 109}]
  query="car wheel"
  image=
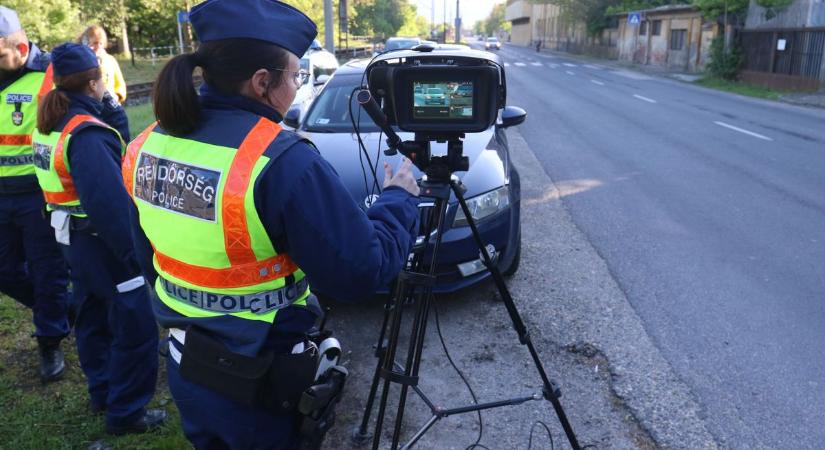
[{"x": 513, "y": 267}]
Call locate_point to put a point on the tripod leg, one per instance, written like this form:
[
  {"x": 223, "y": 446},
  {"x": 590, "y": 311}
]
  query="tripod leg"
[{"x": 550, "y": 391}]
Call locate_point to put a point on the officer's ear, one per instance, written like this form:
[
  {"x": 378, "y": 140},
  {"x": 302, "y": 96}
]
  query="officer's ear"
[
  {"x": 23, "y": 48},
  {"x": 260, "y": 82}
]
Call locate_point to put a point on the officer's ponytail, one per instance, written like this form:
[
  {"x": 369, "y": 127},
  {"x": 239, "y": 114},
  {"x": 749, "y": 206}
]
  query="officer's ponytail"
[
  {"x": 174, "y": 97},
  {"x": 226, "y": 65},
  {"x": 54, "y": 106}
]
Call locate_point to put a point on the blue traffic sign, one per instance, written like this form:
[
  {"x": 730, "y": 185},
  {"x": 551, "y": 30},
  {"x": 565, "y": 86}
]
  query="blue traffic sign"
[
  {"x": 183, "y": 16},
  {"x": 634, "y": 19}
]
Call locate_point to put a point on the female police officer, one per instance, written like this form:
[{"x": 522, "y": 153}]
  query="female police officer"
[
  {"x": 242, "y": 217},
  {"x": 77, "y": 162}
]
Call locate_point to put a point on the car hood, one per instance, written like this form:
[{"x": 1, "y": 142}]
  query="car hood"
[{"x": 488, "y": 160}]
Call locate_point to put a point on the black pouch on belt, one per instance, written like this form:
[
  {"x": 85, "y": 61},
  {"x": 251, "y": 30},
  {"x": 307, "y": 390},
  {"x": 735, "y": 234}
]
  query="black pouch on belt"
[
  {"x": 207, "y": 362},
  {"x": 288, "y": 378}
]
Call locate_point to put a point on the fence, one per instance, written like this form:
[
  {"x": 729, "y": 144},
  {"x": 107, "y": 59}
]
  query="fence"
[{"x": 784, "y": 58}]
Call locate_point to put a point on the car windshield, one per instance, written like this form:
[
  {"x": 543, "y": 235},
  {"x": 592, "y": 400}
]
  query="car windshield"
[
  {"x": 330, "y": 111},
  {"x": 492, "y": 39},
  {"x": 434, "y": 91},
  {"x": 401, "y": 43}
]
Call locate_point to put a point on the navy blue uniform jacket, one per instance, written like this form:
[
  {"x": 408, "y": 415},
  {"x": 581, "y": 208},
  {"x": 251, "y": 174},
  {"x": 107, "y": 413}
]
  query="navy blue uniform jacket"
[
  {"x": 94, "y": 158},
  {"x": 306, "y": 210}
]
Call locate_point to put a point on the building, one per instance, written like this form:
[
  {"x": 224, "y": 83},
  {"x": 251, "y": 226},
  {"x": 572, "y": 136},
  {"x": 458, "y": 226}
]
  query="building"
[
  {"x": 675, "y": 37},
  {"x": 519, "y": 13},
  {"x": 785, "y": 49}
]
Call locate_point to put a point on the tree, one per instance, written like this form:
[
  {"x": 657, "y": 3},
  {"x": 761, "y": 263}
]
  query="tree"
[
  {"x": 47, "y": 22},
  {"x": 380, "y": 17},
  {"x": 495, "y": 21}
]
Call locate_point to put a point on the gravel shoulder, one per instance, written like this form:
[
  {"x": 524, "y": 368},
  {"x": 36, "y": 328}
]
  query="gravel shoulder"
[{"x": 617, "y": 390}]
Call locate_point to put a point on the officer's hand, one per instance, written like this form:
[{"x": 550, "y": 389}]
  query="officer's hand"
[{"x": 403, "y": 179}]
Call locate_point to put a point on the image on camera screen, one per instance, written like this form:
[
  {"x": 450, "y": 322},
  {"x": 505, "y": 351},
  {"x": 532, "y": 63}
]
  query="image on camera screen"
[{"x": 443, "y": 100}]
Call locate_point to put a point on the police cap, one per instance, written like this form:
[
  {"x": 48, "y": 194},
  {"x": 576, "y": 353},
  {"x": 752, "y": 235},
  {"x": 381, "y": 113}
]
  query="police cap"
[
  {"x": 265, "y": 20},
  {"x": 72, "y": 58},
  {"x": 9, "y": 22}
]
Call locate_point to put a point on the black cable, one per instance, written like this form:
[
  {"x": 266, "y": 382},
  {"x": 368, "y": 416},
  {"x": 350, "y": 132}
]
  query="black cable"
[
  {"x": 533, "y": 428},
  {"x": 463, "y": 378},
  {"x": 362, "y": 149}
]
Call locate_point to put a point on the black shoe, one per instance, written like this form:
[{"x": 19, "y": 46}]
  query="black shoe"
[
  {"x": 151, "y": 419},
  {"x": 52, "y": 365}
]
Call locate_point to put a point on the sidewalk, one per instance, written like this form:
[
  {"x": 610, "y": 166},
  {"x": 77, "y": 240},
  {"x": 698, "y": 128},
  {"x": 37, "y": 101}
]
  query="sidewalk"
[{"x": 811, "y": 99}]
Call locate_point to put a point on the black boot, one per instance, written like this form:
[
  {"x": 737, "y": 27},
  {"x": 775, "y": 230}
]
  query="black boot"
[
  {"x": 51, "y": 358},
  {"x": 151, "y": 419}
]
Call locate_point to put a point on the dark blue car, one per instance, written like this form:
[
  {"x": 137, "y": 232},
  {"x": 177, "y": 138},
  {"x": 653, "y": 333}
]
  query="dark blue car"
[{"x": 493, "y": 190}]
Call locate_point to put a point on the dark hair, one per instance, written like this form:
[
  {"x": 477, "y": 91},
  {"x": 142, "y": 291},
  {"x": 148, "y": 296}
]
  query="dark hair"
[
  {"x": 55, "y": 104},
  {"x": 226, "y": 64}
]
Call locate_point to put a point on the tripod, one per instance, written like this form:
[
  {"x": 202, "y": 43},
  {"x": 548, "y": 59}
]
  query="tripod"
[{"x": 416, "y": 284}]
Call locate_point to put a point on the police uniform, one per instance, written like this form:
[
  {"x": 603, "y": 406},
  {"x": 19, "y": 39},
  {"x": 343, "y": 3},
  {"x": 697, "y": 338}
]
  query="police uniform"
[
  {"x": 77, "y": 165},
  {"x": 32, "y": 270},
  {"x": 236, "y": 221}
]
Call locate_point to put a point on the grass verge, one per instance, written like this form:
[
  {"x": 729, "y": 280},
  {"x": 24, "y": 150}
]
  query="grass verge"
[
  {"x": 740, "y": 88},
  {"x": 140, "y": 116},
  {"x": 56, "y": 416}
]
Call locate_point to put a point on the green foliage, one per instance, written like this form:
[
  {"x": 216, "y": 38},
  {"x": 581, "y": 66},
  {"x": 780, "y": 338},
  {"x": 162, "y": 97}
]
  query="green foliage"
[
  {"x": 724, "y": 65},
  {"x": 47, "y": 22},
  {"x": 495, "y": 21},
  {"x": 152, "y": 23},
  {"x": 382, "y": 18},
  {"x": 740, "y": 88},
  {"x": 774, "y": 4},
  {"x": 713, "y": 9}
]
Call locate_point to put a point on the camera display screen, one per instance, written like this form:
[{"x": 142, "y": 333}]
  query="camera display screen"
[{"x": 450, "y": 100}]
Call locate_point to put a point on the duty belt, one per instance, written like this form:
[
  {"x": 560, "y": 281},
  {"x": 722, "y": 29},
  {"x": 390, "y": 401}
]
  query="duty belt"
[
  {"x": 17, "y": 160},
  {"x": 76, "y": 209},
  {"x": 259, "y": 303}
]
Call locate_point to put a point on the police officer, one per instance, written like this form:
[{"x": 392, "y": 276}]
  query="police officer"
[
  {"x": 32, "y": 270},
  {"x": 242, "y": 218},
  {"x": 77, "y": 159}
]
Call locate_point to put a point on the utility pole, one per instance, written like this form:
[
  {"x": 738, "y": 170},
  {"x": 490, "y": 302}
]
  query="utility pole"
[
  {"x": 444, "y": 36},
  {"x": 329, "y": 40},
  {"x": 457, "y": 22},
  {"x": 432, "y": 20}
]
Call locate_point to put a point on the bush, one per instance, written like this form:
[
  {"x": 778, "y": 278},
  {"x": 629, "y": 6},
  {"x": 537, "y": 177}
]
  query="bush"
[{"x": 723, "y": 64}]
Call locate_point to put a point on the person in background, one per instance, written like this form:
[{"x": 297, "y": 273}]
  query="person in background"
[
  {"x": 32, "y": 270},
  {"x": 77, "y": 157},
  {"x": 95, "y": 38}
]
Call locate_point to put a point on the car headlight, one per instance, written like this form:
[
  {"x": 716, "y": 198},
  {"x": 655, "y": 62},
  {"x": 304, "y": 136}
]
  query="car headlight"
[{"x": 484, "y": 205}]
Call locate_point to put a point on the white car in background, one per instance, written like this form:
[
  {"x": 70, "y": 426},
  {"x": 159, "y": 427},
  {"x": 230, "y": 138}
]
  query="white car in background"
[{"x": 320, "y": 64}]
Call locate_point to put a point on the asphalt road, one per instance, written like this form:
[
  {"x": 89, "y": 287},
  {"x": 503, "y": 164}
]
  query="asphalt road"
[{"x": 708, "y": 210}]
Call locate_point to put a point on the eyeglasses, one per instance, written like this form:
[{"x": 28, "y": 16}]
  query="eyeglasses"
[{"x": 300, "y": 77}]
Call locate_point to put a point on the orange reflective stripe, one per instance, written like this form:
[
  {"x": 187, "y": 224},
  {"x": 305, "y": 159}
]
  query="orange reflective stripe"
[
  {"x": 127, "y": 165},
  {"x": 60, "y": 197},
  {"x": 15, "y": 139},
  {"x": 235, "y": 230},
  {"x": 48, "y": 83},
  {"x": 69, "y": 193},
  {"x": 242, "y": 275}
]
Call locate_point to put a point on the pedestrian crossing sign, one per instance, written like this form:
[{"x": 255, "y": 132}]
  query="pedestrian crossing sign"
[{"x": 634, "y": 18}]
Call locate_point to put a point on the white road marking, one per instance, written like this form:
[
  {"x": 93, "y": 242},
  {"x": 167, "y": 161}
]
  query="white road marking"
[
  {"x": 506, "y": 64},
  {"x": 749, "y": 133},
  {"x": 591, "y": 66},
  {"x": 520, "y": 64},
  {"x": 569, "y": 65},
  {"x": 597, "y": 82},
  {"x": 649, "y": 100},
  {"x": 536, "y": 64},
  {"x": 571, "y": 73},
  {"x": 553, "y": 65}
]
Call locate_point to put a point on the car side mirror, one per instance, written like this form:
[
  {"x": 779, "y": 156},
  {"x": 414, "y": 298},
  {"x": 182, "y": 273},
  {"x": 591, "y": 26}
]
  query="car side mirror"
[
  {"x": 292, "y": 118},
  {"x": 512, "y": 115},
  {"x": 321, "y": 80}
]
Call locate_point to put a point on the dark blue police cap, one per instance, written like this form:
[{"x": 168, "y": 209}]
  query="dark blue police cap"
[
  {"x": 72, "y": 58},
  {"x": 265, "y": 20}
]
